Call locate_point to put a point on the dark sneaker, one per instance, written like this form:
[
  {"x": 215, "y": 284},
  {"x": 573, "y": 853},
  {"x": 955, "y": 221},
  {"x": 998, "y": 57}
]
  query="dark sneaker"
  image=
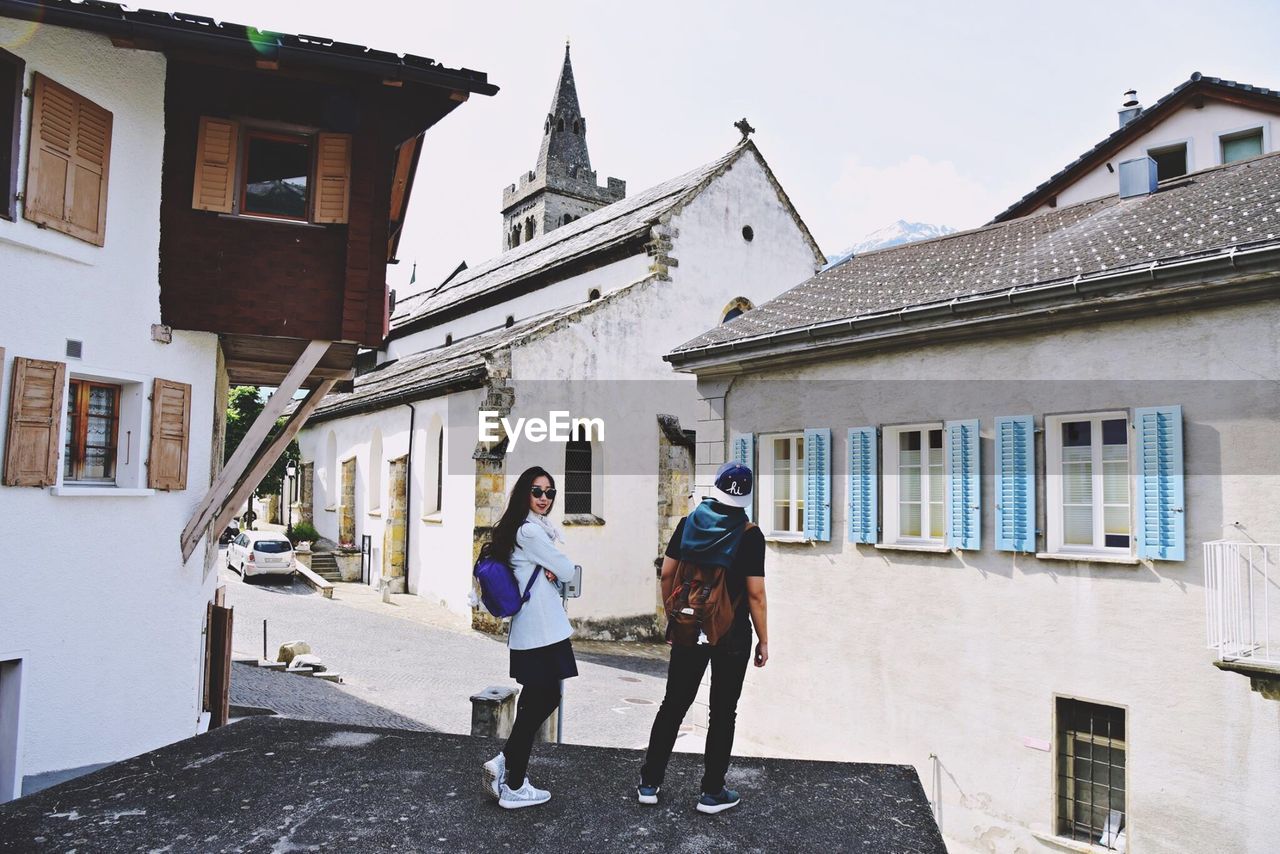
[
  {"x": 647, "y": 794},
  {"x": 727, "y": 799}
]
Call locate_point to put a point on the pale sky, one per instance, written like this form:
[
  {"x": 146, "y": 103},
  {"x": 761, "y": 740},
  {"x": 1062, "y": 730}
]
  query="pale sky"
[{"x": 939, "y": 112}]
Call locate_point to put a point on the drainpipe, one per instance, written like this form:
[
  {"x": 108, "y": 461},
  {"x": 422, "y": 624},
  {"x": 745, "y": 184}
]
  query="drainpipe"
[{"x": 408, "y": 496}]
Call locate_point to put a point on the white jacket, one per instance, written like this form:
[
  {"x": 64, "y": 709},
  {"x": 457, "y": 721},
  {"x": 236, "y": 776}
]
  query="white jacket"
[{"x": 541, "y": 621}]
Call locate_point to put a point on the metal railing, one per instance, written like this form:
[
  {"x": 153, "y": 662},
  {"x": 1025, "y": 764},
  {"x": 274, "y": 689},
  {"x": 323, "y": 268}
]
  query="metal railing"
[{"x": 1241, "y": 621}]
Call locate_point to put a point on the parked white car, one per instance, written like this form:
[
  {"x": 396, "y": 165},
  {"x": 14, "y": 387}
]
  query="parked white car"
[{"x": 255, "y": 553}]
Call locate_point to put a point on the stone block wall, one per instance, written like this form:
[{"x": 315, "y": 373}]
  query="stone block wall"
[{"x": 393, "y": 553}]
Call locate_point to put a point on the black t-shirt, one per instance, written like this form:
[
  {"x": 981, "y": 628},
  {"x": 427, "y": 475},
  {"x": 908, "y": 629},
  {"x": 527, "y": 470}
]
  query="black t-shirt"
[{"x": 747, "y": 561}]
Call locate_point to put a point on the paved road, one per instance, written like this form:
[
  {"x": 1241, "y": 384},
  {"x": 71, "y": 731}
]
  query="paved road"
[{"x": 424, "y": 664}]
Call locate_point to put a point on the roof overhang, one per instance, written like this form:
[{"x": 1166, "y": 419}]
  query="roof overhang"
[
  {"x": 145, "y": 29},
  {"x": 1232, "y": 276},
  {"x": 263, "y": 360},
  {"x": 471, "y": 378}
]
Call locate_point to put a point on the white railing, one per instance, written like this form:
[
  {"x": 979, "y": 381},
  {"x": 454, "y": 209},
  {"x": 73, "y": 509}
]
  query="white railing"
[{"x": 1242, "y": 621}]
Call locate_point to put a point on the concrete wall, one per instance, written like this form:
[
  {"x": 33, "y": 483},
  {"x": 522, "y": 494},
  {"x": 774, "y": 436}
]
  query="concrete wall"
[
  {"x": 94, "y": 595},
  {"x": 1199, "y": 129},
  {"x": 960, "y": 655}
]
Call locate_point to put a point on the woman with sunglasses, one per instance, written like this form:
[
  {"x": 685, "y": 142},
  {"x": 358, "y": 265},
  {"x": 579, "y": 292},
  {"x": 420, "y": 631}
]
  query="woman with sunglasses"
[{"x": 541, "y": 654}]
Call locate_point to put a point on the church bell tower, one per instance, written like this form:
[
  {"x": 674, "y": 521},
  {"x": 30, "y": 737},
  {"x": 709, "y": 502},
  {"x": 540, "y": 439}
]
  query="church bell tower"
[{"x": 562, "y": 187}]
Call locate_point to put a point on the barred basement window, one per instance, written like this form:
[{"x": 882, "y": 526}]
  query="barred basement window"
[
  {"x": 1091, "y": 760},
  {"x": 577, "y": 473}
]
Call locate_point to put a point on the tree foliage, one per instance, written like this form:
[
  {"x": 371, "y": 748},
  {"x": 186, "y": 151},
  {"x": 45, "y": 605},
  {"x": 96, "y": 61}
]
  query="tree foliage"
[{"x": 244, "y": 404}]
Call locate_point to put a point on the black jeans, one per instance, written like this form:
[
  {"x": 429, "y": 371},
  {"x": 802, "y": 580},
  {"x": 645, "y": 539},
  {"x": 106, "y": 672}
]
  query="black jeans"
[
  {"x": 537, "y": 701},
  {"x": 684, "y": 674}
]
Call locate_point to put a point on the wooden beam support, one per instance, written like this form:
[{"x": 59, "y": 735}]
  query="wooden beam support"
[
  {"x": 257, "y": 434},
  {"x": 263, "y": 462}
]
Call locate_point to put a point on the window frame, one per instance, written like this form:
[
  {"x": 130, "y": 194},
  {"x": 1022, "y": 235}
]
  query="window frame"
[
  {"x": 1062, "y": 732},
  {"x": 890, "y": 518},
  {"x": 1055, "y": 522},
  {"x": 580, "y": 445},
  {"x": 11, "y": 106},
  {"x": 79, "y": 392},
  {"x": 1166, "y": 147},
  {"x": 765, "y": 484},
  {"x": 249, "y": 132},
  {"x": 1262, "y": 129}
]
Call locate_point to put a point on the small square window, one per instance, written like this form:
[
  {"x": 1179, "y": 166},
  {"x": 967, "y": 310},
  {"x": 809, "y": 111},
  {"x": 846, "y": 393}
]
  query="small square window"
[
  {"x": 93, "y": 427},
  {"x": 1171, "y": 161},
  {"x": 1091, "y": 771},
  {"x": 1241, "y": 146},
  {"x": 277, "y": 171}
]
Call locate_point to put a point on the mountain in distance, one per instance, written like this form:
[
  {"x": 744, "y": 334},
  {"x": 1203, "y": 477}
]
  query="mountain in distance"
[{"x": 892, "y": 235}]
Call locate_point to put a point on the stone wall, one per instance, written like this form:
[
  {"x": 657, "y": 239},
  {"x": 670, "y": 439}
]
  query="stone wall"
[
  {"x": 393, "y": 530},
  {"x": 347, "y": 509},
  {"x": 305, "y": 508},
  {"x": 675, "y": 488}
]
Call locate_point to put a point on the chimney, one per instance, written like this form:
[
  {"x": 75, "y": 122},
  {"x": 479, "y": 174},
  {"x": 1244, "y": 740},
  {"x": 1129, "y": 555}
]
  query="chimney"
[
  {"x": 1131, "y": 108},
  {"x": 1137, "y": 177}
]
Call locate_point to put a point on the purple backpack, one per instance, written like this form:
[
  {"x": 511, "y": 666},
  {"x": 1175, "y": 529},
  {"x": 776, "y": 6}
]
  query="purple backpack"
[{"x": 499, "y": 590}]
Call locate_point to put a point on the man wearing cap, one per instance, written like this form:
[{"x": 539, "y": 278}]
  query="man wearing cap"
[{"x": 716, "y": 533}]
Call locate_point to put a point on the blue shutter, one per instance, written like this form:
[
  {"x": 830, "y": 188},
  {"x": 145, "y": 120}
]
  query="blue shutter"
[
  {"x": 1015, "y": 486},
  {"x": 742, "y": 449},
  {"x": 964, "y": 485},
  {"x": 817, "y": 484},
  {"x": 1161, "y": 521},
  {"x": 863, "y": 460}
]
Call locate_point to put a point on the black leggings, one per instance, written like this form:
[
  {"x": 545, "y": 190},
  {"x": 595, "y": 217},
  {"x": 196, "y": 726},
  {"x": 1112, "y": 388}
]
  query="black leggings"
[{"x": 537, "y": 701}]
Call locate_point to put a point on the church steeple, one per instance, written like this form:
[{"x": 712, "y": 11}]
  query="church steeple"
[
  {"x": 564, "y": 132},
  {"x": 562, "y": 187}
]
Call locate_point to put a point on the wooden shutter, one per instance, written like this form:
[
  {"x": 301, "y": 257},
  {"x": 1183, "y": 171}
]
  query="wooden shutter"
[
  {"x": 742, "y": 448},
  {"x": 333, "y": 177},
  {"x": 170, "y": 435},
  {"x": 68, "y": 164},
  {"x": 215, "y": 177},
  {"x": 1015, "y": 486},
  {"x": 964, "y": 484},
  {"x": 817, "y": 484},
  {"x": 35, "y": 420},
  {"x": 863, "y": 498},
  {"x": 1162, "y": 526}
]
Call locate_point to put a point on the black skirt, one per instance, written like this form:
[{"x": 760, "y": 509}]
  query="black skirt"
[{"x": 544, "y": 663}]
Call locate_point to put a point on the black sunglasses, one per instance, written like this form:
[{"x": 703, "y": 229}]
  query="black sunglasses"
[{"x": 538, "y": 492}]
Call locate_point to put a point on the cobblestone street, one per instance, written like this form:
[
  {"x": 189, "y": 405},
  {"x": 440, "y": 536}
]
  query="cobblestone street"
[{"x": 413, "y": 665}]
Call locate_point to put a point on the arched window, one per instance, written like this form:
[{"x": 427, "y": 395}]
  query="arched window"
[
  {"x": 559, "y": 124},
  {"x": 374, "y": 502},
  {"x": 593, "y": 294},
  {"x": 511, "y": 321},
  {"x": 433, "y": 471},
  {"x": 448, "y": 339},
  {"x": 577, "y": 473},
  {"x": 440, "y": 469},
  {"x": 576, "y": 127},
  {"x": 515, "y": 237},
  {"x": 331, "y": 470},
  {"x": 547, "y": 126},
  {"x": 528, "y": 229}
]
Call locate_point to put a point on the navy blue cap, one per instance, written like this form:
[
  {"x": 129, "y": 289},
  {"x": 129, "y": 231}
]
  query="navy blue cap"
[{"x": 733, "y": 485}]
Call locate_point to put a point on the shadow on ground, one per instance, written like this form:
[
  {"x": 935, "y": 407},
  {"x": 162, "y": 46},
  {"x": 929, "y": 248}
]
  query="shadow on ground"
[
  {"x": 273, "y": 784},
  {"x": 308, "y": 698}
]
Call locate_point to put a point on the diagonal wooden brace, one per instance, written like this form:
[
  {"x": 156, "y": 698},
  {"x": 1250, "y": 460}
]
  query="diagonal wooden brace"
[{"x": 232, "y": 472}]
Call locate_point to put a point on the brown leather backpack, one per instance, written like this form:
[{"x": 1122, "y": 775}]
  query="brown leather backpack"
[{"x": 699, "y": 603}]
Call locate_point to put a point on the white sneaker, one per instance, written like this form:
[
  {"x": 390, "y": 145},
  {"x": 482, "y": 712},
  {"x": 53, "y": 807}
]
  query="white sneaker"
[
  {"x": 496, "y": 771},
  {"x": 525, "y": 796}
]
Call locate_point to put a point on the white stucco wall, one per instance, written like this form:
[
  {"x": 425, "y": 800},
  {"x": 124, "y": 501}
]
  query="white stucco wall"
[
  {"x": 605, "y": 363},
  {"x": 895, "y": 656},
  {"x": 567, "y": 292},
  {"x": 96, "y": 598},
  {"x": 1200, "y": 129}
]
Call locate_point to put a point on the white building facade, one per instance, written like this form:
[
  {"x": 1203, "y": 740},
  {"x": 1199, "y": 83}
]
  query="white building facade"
[
  {"x": 576, "y": 321},
  {"x": 987, "y": 509}
]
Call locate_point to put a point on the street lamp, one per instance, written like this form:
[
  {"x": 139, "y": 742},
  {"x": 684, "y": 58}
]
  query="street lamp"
[{"x": 290, "y": 470}]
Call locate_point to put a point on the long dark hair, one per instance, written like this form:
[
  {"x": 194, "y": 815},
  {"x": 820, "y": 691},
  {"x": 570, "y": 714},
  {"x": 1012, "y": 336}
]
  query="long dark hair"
[{"x": 503, "y": 540}]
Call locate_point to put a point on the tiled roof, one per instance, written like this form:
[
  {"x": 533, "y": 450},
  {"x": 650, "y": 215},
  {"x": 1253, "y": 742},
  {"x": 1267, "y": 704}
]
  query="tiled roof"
[
  {"x": 598, "y": 230},
  {"x": 1138, "y": 126},
  {"x": 1200, "y": 214},
  {"x": 412, "y": 376},
  {"x": 180, "y": 28}
]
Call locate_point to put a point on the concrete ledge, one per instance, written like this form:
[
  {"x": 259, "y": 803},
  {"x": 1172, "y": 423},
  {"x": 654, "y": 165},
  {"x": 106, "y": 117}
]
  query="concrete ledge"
[
  {"x": 315, "y": 582},
  {"x": 1263, "y": 678},
  {"x": 1083, "y": 558},
  {"x": 351, "y": 786},
  {"x": 931, "y": 548}
]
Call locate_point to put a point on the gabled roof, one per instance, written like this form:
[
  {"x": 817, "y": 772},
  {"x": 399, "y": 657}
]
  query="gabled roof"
[
  {"x": 1196, "y": 87},
  {"x": 1204, "y": 214},
  {"x": 179, "y": 29},
  {"x": 595, "y": 233}
]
